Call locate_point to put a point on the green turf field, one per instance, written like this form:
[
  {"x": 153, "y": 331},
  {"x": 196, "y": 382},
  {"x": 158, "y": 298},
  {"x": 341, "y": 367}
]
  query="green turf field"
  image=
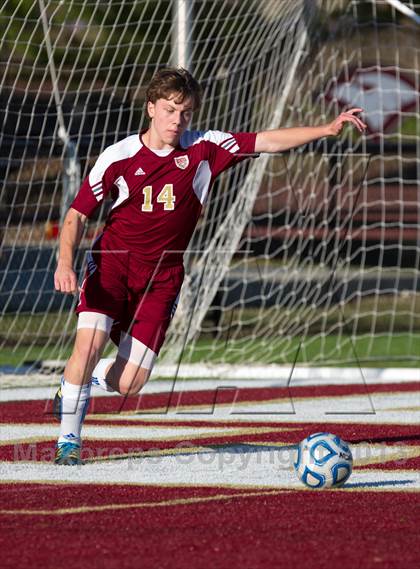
[
  {"x": 398, "y": 351},
  {"x": 388, "y": 334}
]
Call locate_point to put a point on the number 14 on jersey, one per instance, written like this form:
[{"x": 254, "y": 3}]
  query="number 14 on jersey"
[{"x": 165, "y": 196}]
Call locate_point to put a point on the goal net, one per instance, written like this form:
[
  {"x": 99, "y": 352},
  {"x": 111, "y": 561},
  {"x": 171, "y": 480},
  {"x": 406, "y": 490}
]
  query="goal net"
[{"x": 311, "y": 255}]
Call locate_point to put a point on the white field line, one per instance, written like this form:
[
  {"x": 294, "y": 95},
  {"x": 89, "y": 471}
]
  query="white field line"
[
  {"x": 270, "y": 469},
  {"x": 246, "y": 375},
  {"x": 379, "y": 408}
]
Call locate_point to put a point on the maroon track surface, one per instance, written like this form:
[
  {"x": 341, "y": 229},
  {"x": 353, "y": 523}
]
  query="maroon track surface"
[
  {"x": 216, "y": 527},
  {"x": 284, "y": 529},
  {"x": 41, "y": 411}
]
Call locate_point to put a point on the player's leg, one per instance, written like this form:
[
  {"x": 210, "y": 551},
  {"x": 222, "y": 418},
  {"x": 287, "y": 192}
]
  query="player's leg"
[
  {"x": 102, "y": 298},
  {"x": 132, "y": 367},
  {"x": 148, "y": 316},
  {"x": 128, "y": 372},
  {"x": 72, "y": 399},
  {"x": 105, "y": 291},
  {"x": 100, "y": 373}
]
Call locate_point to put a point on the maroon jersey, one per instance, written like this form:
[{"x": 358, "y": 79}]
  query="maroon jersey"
[{"x": 158, "y": 197}]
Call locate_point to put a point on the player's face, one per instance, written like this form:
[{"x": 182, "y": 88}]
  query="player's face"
[{"x": 170, "y": 118}]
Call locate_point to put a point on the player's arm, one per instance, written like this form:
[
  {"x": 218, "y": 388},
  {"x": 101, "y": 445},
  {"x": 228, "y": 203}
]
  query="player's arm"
[
  {"x": 285, "y": 138},
  {"x": 65, "y": 279}
]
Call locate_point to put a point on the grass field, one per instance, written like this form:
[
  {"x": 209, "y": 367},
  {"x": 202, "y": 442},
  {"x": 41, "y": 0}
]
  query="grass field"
[
  {"x": 380, "y": 351},
  {"x": 381, "y": 331},
  {"x": 402, "y": 350}
]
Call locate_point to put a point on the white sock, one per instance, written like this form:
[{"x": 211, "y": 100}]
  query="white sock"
[
  {"x": 99, "y": 373},
  {"x": 74, "y": 404}
]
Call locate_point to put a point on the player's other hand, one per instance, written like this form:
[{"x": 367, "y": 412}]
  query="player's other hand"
[
  {"x": 336, "y": 126},
  {"x": 65, "y": 279}
]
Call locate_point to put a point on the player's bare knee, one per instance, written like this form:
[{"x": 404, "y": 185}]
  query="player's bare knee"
[
  {"x": 135, "y": 361},
  {"x": 128, "y": 390},
  {"x": 88, "y": 352},
  {"x": 132, "y": 381}
]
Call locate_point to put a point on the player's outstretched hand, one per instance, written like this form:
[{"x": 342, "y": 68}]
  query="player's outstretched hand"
[
  {"x": 65, "y": 279},
  {"x": 336, "y": 126}
]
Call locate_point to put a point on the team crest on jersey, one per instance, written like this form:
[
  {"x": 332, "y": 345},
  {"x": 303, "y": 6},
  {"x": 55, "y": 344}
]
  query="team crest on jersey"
[{"x": 182, "y": 162}]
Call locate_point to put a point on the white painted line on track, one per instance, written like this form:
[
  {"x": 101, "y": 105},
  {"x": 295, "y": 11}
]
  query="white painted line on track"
[
  {"x": 241, "y": 470},
  {"x": 112, "y": 433}
]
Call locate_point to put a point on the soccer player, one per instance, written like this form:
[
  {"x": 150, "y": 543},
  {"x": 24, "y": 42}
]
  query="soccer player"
[{"x": 159, "y": 181}]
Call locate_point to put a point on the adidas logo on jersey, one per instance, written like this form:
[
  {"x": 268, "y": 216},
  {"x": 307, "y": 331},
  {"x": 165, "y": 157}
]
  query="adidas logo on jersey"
[{"x": 139, "y": 172}]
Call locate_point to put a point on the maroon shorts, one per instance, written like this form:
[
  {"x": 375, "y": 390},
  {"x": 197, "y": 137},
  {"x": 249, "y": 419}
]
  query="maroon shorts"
[{"x": 140, "y": 299}]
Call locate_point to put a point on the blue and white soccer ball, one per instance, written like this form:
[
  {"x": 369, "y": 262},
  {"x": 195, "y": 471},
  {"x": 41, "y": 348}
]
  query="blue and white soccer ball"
[{"x": 323, "y": 461}]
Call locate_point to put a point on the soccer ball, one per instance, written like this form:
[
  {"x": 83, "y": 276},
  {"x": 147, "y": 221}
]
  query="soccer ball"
[{"x": 323, "y": 461}]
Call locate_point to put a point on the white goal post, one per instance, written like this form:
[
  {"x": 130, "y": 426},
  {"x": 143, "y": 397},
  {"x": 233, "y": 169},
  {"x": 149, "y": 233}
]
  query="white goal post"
[{"x": 310, "y": 256}]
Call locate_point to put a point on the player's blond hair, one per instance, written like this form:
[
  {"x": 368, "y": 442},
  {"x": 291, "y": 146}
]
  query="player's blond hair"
[{"x": 172, "y": 80}]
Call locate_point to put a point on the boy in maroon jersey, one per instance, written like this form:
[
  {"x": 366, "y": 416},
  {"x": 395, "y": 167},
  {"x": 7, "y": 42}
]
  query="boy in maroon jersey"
[{"x": 159, "y": 181}]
